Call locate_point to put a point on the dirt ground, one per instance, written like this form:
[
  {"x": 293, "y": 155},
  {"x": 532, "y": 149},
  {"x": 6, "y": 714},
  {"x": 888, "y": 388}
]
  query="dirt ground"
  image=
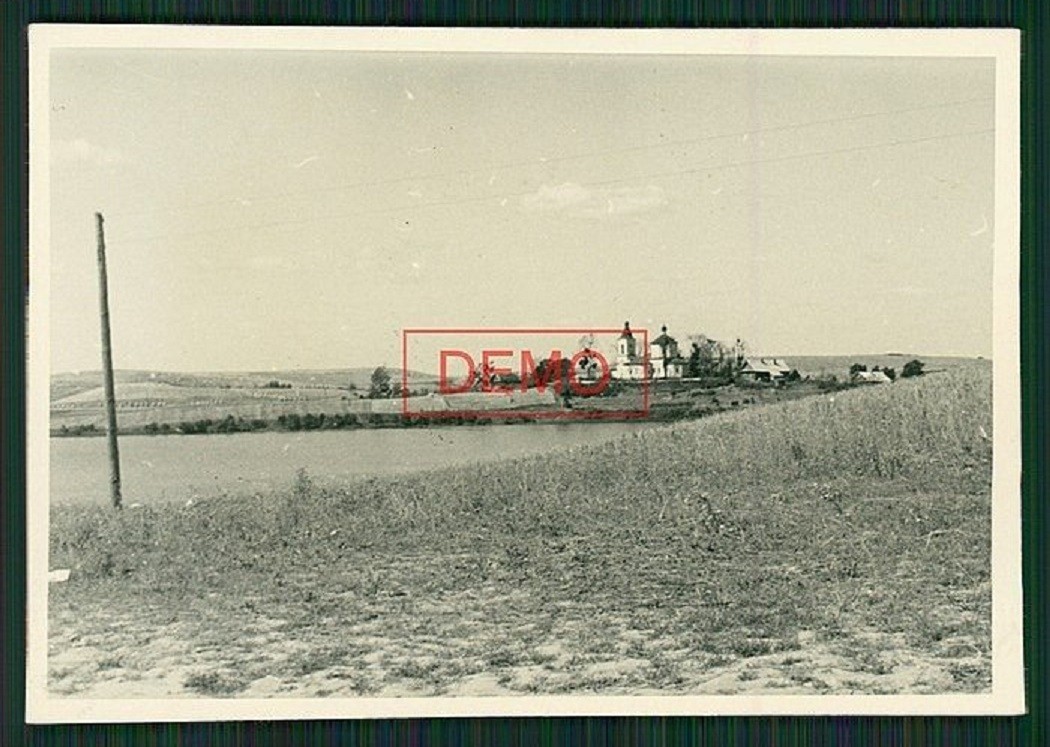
[{"x": 479, "y": 642}]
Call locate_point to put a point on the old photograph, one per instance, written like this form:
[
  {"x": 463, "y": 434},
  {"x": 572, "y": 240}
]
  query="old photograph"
[{"x": 463, "y": 372}]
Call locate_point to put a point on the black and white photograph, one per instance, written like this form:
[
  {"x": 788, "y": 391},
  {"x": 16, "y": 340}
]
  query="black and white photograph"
[{"x": 433, "y": 372}]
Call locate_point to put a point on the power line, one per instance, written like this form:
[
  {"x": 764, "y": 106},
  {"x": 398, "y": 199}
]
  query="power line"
[
  {"x": 796, "y": 156},
  {"x": 596, "y": 183},
  {"x": 544, "y": 160}
]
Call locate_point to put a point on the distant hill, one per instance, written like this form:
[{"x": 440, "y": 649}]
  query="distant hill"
[
  {"x": 79, "y": 384},
  {"x": 838, "y": 365}
]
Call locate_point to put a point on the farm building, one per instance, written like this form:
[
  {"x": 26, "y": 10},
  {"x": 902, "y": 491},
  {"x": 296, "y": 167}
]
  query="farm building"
[
  {"x": 764, "y": 369},
  {"x": 872, "y": 377}
]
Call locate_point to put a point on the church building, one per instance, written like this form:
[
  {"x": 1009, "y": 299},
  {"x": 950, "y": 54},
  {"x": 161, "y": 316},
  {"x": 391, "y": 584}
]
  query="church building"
[
  {"x": 664, "y": 357},
  {"x": 664, "y": 360}
]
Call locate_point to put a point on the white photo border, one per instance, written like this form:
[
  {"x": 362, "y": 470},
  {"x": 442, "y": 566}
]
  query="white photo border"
[{"x": 1007, "y": 693}]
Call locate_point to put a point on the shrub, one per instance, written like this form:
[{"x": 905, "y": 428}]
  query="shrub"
[{"x": 912, "y": 368}]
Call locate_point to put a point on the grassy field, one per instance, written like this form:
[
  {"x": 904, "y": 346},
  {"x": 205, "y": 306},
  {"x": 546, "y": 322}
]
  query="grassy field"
[
  {"x": 69, "y": 384},
  {"x": 145, "y": 397},
  {"x": 831, "y": 544}
]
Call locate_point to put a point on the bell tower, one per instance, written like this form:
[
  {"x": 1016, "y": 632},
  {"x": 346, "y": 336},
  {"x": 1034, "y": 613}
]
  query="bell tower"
[{"x": 627, "y": 347}]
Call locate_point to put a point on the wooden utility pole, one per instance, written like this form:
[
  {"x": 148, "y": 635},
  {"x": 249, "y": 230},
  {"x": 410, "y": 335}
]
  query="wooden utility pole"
[{"x": 107, "y": 368}]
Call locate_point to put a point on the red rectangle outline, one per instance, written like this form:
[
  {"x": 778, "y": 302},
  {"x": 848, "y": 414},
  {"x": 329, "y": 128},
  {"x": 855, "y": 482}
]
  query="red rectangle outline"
[{"x": 541, "y": 414}]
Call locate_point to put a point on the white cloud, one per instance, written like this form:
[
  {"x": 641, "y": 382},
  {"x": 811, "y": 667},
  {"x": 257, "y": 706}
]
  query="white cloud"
[
  {"x": 556, "y": 197},
  {"x": 635, "y": 199},
  {"x": 83, "y": 151},
  {"x": 593, "y": 202}
]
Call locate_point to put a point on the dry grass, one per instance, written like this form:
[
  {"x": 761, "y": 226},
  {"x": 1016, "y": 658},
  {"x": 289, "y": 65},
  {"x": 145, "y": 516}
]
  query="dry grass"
[{"x": 859, "y": 523}]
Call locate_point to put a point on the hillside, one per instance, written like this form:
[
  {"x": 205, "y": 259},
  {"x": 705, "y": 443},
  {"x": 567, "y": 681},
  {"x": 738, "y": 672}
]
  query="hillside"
[
  {"x": 145, "y": 397},
  {"x": 65, "y": 385},
  {"x": 836, "y": 544}
]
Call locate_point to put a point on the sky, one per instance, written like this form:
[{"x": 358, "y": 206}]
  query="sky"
[{"x": 274, "y": 210}]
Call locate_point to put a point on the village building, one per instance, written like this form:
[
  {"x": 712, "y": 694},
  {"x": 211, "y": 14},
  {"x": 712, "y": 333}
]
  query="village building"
[
  {"x": 664, "y": 361},
  {"x": 764, "y": 370},
  {"x": 664, "y": 356},
  {"x": 872, "y": 377},
  {"x": 587, "y": 367},
  {"x": 630, "y": 366}
]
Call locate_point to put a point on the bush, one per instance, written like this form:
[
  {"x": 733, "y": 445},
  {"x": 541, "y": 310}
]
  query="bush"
[
  {"x": 912, "y": 368},
  {"x": 830, "y": 383}
]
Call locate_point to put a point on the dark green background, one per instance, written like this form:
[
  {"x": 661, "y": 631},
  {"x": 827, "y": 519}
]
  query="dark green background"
[{"x": 1031, "y": 17}]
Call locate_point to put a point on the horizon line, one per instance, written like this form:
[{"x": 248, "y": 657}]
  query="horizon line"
[{"x": 327, "y": 369}]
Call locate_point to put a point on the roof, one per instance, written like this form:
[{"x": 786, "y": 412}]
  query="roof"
[
  {"x": 766, "y": 365},
  {"x": 664, "y": 339},
  {"x": 875, "y": 377}
]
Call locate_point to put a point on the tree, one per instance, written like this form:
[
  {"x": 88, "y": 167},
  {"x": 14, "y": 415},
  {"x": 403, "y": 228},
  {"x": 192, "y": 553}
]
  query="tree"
[
  {"x": 890, "y": 374},
  {"x": 554, "y": 373},
  {"x": 700, "y": 357},
  {"x": 552, "y": 378},
  {"x": 856, "y": 368},
  {"x": 711, "y": 359},
  {"x": 380, "y": 383},
  {"x": 912, "y": 368}
]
